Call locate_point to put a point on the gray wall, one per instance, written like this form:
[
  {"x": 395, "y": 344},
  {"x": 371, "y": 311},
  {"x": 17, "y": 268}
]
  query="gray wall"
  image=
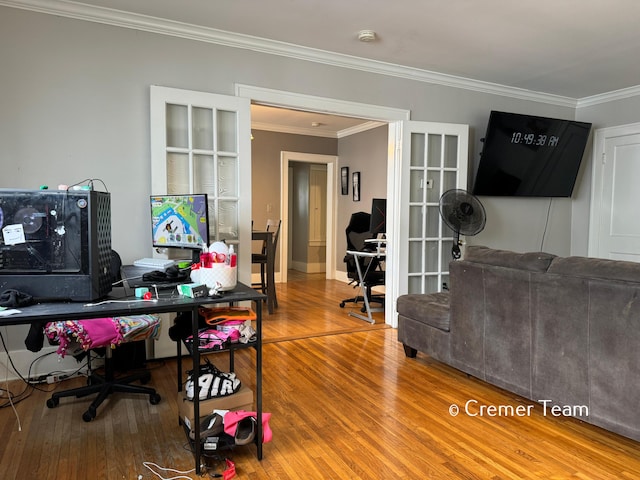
[
  {"x": 265, "y": 170},
  {"x": 366, "y": 153},
  {"x": 74, "y": 104}
]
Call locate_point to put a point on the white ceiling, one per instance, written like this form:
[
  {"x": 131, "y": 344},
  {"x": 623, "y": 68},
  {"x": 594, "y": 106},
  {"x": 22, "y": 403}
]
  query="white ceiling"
[
  {"x": 573, "y": 49},
  {"x": 306, "y": 123}
]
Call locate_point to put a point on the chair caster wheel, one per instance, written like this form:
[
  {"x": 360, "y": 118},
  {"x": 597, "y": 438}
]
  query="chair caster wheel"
[
  {"x": 154, "y": 399},
  {"x": 342, "y": 304},
  {"x": 363, "y": 310},
  {"x": 89, "y": 415},
  {"x": 53, "y": 402}
]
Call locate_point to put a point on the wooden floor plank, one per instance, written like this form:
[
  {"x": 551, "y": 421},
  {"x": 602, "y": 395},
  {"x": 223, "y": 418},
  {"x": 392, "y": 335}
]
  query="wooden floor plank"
[{"x": 345, "y": 403}]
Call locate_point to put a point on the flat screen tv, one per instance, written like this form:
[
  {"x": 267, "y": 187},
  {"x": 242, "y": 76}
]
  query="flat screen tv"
[
  {"x": 525, "y": 155},
  {"x": 180, "y": 221}
]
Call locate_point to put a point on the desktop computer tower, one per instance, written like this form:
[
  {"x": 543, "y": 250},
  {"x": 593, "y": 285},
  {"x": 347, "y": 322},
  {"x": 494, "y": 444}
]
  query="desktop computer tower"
[{"x": 56, "y": 244}]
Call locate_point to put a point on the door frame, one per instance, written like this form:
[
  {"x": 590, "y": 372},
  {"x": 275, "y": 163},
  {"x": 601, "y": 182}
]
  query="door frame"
[
  {"x": 331, "y": 161},
  {"x": 284, "y": 99},
  {"x": 601, "y": 136}
]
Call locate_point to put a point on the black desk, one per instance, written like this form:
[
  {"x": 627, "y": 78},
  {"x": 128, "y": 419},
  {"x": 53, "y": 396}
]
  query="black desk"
[{"x": 117, "y": 304}]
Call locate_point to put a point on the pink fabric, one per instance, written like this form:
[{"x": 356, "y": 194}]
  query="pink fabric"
[
  {"x": 102, "y": 332},
  {"x": 99, "y": 332},
  {"x": 231, "y": 420}
]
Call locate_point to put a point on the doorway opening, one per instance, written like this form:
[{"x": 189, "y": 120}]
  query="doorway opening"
[
  {"x": 288, "y": 159},
  {"x": 295, "y": 101}
]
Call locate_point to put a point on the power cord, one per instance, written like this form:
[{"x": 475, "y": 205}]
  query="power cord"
[
  {"x": 104, "y": 302},
  {"x": 546, "y": 224},
  {"x": 180, "y": 474},
  {"x": 6, "y": 382}
]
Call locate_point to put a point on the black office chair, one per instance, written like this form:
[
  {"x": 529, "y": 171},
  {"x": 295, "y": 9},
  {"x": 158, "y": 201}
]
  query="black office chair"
[
  {"x": 105, "y": 385},
  {"x": 357, "y": 232}
]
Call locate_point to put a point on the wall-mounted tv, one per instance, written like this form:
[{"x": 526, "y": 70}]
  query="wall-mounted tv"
[{"x": 525, "y": 155}]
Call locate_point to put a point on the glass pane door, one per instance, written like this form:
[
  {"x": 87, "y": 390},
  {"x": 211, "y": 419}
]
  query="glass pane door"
[
  {"x": 202, "y": 157},
  {"x": 434, "y": 160},
  {"x": 200, "y": 144}
]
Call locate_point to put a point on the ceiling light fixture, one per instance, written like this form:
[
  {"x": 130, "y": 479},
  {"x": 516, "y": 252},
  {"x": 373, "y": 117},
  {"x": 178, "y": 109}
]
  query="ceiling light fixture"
[{"x": 367, "y": 36}]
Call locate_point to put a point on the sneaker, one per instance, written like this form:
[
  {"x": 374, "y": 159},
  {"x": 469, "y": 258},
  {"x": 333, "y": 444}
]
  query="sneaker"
[
  {"x": 245, "y": 431},
  {"x": 213, "y": 386},
  {"x": 210, "y": 426}
]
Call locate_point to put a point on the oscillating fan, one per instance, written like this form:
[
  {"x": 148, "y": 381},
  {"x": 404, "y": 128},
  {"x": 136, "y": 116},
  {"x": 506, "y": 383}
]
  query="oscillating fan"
[{"x": 463, "y": 213}]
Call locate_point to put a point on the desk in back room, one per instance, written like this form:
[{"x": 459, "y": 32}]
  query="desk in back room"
[{"x": 380, "y": 252}]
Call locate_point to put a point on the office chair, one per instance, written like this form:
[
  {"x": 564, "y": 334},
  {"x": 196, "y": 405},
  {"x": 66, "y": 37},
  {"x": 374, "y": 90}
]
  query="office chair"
[
  {"x": 114, "y": 331},
  {"x": 357, "y": 232}
]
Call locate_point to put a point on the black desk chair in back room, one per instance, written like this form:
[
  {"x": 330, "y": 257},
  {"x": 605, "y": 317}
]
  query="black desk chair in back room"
[
  {"x": 127, "y": 330},
  {"x": 357, "y": 233}
]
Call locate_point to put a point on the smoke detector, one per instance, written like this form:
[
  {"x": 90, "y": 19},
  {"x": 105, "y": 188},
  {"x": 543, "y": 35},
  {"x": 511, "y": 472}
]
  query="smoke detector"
[{"x": 367, "y": 36}]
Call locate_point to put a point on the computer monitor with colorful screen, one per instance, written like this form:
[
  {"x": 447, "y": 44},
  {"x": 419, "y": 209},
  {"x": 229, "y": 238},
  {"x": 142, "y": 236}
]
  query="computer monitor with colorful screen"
[{"x": 180, "y": 221}]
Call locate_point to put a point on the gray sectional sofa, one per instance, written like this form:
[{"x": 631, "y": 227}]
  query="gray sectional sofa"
[{"x": 562, "y": 331}]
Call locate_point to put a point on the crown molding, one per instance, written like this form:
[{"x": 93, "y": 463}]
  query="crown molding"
[
  {"x": 314, "y": 132},
  {"x": 621, "y": 94},
  {"x": 146, "y": 23},
  {"x": 363, "y": 127},
  {"x": 272, "y": 127}
]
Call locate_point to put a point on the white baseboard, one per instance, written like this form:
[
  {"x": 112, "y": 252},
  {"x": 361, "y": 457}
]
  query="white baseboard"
[
  {"x": 307, "y": 267},
  {"x": 255, "y": 278}
]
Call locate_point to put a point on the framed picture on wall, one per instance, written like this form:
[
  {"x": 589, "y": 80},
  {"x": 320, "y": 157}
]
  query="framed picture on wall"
[
  {"x": 344, "y": 180},
  {"x": 356, "y": 186}
]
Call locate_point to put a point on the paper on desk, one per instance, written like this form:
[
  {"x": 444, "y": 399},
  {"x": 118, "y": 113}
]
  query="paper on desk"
[{"x": 6, "y": 312}]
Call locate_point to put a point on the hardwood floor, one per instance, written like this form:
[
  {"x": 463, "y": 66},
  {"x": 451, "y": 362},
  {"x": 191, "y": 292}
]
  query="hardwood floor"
[
  {"x": 346, "y": 404},
  {"x": 310, "y": 306}
]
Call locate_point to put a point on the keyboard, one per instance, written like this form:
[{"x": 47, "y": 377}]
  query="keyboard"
[{"x": 154, "y": 263}]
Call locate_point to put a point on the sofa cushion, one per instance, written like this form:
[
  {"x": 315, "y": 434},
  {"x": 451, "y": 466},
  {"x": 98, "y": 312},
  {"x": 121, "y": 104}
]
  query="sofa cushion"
[
  {"x": 600, "y": 268},
  {"x": 431, "y": 309},
  {"x": 531, "y": 261}
]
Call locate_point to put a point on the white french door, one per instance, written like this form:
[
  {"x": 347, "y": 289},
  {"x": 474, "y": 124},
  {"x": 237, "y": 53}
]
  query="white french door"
[
  {"x": 201, "y": 143},
  {"x": 433, "y": 158}
]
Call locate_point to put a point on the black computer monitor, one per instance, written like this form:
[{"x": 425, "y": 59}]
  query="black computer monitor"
[{"x": 378, "y": 222}]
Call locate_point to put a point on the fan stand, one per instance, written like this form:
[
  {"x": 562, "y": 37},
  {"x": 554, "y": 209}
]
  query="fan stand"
[{"x": 455, "y": 249}]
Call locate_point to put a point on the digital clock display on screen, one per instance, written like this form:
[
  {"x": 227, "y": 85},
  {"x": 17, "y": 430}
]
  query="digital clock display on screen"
[
  {"x": 540, "y": 139},
  {"x": 527, "y": 155}
]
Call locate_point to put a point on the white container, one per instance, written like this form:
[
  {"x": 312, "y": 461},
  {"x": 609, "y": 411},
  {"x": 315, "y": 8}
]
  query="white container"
[{"x": 219, "y": 275}]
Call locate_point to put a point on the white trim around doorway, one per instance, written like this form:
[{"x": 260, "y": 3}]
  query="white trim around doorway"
[
  {"x": 279, "y": 98},
  {"x": 331, "y": 162}
]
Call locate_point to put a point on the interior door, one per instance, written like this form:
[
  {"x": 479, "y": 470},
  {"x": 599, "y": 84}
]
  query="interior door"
[
  {"x": 201, "y": 143},
  {"x": 615, "y": 224},
  {"x": 434, "y": 158}
]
